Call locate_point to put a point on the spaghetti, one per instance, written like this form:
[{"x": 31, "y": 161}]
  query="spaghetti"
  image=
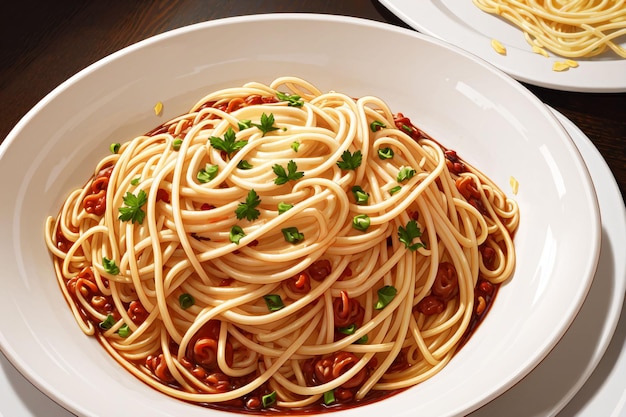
[
  {"x": 282, "y": 248},
  {"x": 574, "y": 29}
]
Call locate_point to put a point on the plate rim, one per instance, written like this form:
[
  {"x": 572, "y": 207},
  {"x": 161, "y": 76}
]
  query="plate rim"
[
  {"x": 237, "y": 20},
  {"x": 423, "y": 20}
]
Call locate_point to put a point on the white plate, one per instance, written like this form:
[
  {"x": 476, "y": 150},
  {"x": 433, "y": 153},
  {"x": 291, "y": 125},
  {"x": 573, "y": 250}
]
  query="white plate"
[
  {"x": 577, "y": 353},
  {"x": 465, "y": 25},
  {"x": 486, "y": 116},
  {"x": 564, "y": 371}
]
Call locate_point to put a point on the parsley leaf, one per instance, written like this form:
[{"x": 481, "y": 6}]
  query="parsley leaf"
[
  {"x": 350, "y": 160},
  {"x": 243, "y": 164},
  {"x": 132, "y": 211},
  {"x": 385, "y": 295},
  {"x": 229, "y": 143},
  {"x": 408, "y": 233},
  {"x": 248, "y": 209},
  {"x": 292, "y": 100},
  {"x": 110, "y": 266},
  {"x": 267, "y": 124},
  {"x": 292, "y": 173}
]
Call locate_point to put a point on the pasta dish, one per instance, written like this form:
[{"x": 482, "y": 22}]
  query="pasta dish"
[
  {"x": 573, "y": 29},
  {"x": 279, "y": 248}
]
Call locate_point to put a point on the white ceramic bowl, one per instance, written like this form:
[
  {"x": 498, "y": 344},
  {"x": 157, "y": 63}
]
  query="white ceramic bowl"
[{"x": 463, "y": 102}]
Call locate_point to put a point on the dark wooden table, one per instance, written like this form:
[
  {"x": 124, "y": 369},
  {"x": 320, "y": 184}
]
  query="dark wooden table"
[{"x": 44, "y": 43}]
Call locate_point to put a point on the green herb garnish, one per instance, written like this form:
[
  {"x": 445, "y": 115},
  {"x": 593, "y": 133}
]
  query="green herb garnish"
[
  {"x": 176, "y": 144},
  {"x": 292, "y": 235},
  {"x": 360, "y": 196},
  {"x": 395, "y": 189},
  {"x": 295, "y": 145},
  {"x": 408, "y": 233},
  {"x": 135, "y": 181},
  {"x": 267, "y": 124},
  {"x": 329, "y": 397},
  {"x": 405, "y": 174},
  {"x": 273, "y": 302},
  {"x": 385, "y": 153},
  {"x": 124, "y": 331},
  {"x": 229, "y": 143},
  {"x": 269, "y": 399},
  {"x": 348, "y": 330},
  {"x": 236, "y": 234},
  {"x": 248, "y": 209},
  {"x": 283, "y": 207},
  {"x": 292, "y": 173},
  {"x": 207, "y": 173},
  {"x": 107, "y": 323},
  {"x": 377, "y": 125},
  {"x": 186, "y": 300},
  {"x": 293, "y": 100},
  {"x": 243, "y": 164},
  {"x": 132, "y": 211},
  {"x": 385, "y": 295},
  {"x": 115, "y": 147},
  {"x": 350, "y": 160},
  {"x": 244, "y": 124},
  {"x": 361, "y": 222},
  {"x": 109, "y": 266}
]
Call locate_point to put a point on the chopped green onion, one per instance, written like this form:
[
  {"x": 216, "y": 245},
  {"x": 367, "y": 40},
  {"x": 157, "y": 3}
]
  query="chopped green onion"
[
  {"x": 395, "y": 189},
  {"x": 377, "y": 125},
  {"x": 360, "y": 196},
  {"x": 407, "y": 129},
  {"x": 176, "y": 144},
  {"x": 405, "y": 173},
  {"x": 243, "y": 164},
  {"x": 385, "y": 295},
  {"x": 107, "y": 323},
  {"x": 135, "y": 181},
  {"x": 363, "y": 340},
  {"x": 348, "y": 330},
  {"x": 283, "y": 207},
  {"x": 236, "y": 234},
  {"x": 273, "y": 302},
  {"x": 269, "y": 399},
  {"x": 109, "y": 266},
  {"x": 361, "y": 222},
  {"x": 385, "y": 153},
  {"x": 208, "y": 173},
  {"x": 329, "y": 397},
  {"x": 186, "y": 301},
  {"x": 244, "y": 124},
  {"x": 115, "y": 147},
  {"x": 295, "y": 145},
  {"x": 292, "y": 235},
  {"x": 124, "y": 331}
]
